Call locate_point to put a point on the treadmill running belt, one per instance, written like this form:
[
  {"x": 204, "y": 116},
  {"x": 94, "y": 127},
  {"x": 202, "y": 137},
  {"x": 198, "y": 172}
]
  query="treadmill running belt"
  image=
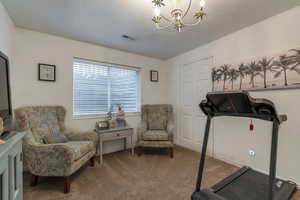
[{"x": 253, "y": 185}]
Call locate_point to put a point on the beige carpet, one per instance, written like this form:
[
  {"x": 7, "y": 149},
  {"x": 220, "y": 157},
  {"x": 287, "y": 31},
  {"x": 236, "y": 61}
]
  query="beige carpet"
[{"x": 125, "y": 177}]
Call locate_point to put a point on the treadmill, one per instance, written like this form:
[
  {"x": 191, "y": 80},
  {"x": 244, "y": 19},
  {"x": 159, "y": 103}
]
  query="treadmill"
[{"x": 246, "y": 183}]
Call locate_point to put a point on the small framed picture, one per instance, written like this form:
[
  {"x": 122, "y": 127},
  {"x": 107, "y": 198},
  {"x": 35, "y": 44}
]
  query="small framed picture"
[
  {"x": 154, "y": 76},
  {"x": 47, "y": 72}
]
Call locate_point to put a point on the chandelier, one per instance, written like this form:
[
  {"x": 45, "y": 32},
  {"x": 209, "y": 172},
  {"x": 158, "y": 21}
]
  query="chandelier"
[{"x": 177, "y": 15}]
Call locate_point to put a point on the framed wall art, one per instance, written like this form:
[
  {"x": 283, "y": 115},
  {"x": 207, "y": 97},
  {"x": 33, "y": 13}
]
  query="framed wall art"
[
  {"x": 47, "y": 72},
  {"x": 154, "y": 76}
]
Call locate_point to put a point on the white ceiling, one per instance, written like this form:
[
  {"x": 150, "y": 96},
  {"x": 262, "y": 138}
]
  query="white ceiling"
[{"x": 104, "y": 21}]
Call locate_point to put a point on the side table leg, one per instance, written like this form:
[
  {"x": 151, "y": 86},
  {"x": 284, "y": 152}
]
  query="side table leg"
[
  {"x": 125, "y": 144},
  {"x": 132, "y": 146},
  {"x": 101, "y": 152}
]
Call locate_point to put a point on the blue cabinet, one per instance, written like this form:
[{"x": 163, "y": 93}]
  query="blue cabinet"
[
  {"x": 4, "y": 178},
  {"x": 11, "y": 168}
]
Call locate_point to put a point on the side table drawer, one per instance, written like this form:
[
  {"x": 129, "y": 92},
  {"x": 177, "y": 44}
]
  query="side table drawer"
[{"x": 116, "y": 134}]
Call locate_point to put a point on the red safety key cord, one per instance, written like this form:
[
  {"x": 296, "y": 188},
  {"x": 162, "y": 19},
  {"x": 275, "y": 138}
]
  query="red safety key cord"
[{"x": 251, "y": 127}]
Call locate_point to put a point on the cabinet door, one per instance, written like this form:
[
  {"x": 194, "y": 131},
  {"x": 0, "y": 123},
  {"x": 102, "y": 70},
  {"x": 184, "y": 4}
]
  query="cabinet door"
[
  {"x": 15, "y": 173},
  {"x": 4, "y": 178}
]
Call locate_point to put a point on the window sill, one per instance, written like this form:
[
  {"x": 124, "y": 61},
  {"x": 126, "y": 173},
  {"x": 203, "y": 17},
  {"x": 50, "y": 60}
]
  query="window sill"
[{"x": 102, "y": 116}]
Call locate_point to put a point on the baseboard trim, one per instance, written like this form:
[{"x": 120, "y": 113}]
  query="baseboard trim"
[{"x": 194, "y": 146}]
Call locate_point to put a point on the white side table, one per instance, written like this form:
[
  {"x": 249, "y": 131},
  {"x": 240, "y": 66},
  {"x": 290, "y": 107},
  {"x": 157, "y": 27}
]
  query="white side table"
[{"x": 122, "y": 133}]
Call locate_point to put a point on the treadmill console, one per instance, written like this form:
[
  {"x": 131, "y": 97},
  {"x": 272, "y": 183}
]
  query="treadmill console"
[{"x": 239, "y": 104}]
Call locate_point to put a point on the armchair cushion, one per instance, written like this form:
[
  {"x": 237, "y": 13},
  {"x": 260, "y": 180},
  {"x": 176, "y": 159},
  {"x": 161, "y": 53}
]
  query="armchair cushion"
[
  {"x": 156, "y": 135},
  {"x": 81, "y": 136},
  {"x": 55, "y": 138},
  {"x": 80, "y": 148},
  {"x": 157, "y": 118}
]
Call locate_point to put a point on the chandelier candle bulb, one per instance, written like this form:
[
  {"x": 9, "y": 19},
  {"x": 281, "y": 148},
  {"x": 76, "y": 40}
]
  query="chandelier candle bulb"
[
  {"x": 177, "y": 3},
  {"x": 202, "y": 3},
  {"x": 156, "y": 12}
]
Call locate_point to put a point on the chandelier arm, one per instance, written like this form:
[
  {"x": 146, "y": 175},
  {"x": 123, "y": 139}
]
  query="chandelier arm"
[
  {"x": 163, "y": 27},
  {"x": 188, "y": 9},
  {"x": 165, "y": 18},
  {"x": 193, "y": 24}
]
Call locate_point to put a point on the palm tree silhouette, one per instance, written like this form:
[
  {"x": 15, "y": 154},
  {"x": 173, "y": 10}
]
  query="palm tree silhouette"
[
  {"x": 253, "y": 70},
  {"x": 232, "y": 76},
  {"x": 295, "y": 58},
  {"x": 216, "y": 76},
  {"x": 297, "y": 51},
  {"x": 282, "y": 66},
  {"x": 266, "y": 65},
  {"x": 224, "y": 69},
  {"x": 242, "y": 73}
]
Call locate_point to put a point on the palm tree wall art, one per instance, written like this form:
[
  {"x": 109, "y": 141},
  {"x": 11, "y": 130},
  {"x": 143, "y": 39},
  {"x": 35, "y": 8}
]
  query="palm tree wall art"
[
  {"x": 224, "y": 70},
  {"x": 233, "y": 75},
  {"x": 266, "y": 65},
  {"x": 216, "y": 76},
  {"x": 295, "y": 59},
  {"x": 242, "y": 72},
  {"x": 282, "y": 65},
  {"x": 277, "y": 72},
  {"x": 253, "y": 70}
]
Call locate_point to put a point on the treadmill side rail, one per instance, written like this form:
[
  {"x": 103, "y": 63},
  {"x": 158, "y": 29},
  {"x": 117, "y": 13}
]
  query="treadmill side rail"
[
  {"x": 220, "y": 185},
  {"x": 206, "y": 195}
]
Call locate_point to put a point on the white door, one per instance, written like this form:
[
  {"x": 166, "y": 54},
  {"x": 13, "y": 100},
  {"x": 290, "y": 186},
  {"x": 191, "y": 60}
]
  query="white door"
[{"x": 195, "y": 83}]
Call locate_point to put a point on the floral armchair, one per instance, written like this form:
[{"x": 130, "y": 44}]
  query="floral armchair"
[
  {"x": 156, "y": 128},
  {"x": 60, "y": 159}
]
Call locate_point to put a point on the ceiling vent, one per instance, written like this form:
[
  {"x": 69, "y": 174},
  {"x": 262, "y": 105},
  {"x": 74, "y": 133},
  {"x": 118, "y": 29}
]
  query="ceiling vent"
[{"x": 127, "y": 37}]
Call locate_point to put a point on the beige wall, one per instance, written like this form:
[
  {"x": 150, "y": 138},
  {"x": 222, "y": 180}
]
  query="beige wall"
[
  {"x": 32, "y": 48},
  {"x": 6, "y": 39},
  {"x": 232, "y": 139},
  {"x": 6, "y": 32}
]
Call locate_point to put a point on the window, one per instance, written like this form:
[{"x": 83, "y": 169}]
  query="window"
[{"x": 99, "y": 88}]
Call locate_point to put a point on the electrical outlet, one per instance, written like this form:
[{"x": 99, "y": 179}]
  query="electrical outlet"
[{"x": 252, "y": 153}]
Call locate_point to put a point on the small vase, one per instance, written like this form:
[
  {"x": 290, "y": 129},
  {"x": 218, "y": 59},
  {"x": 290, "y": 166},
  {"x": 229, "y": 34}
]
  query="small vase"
[{"x": 1, "y": 126}]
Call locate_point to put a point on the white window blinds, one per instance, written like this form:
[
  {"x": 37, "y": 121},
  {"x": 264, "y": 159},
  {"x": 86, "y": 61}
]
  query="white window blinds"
[{"x": 98, "y": 88}]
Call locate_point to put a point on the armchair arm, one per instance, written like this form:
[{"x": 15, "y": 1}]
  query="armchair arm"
[
  {"x": 82, "y": 136},
  {"x": 49, "y": 159},
  {"x": 141, "y": 129},
  {"x": 170, "y": 129}
]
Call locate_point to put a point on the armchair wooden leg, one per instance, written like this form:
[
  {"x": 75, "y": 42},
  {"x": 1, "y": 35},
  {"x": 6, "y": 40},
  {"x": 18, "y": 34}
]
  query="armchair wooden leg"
[
  {"x": 67, "y": 184},
  {"x": 139, "y": 151},
  {"x": 92, "y": 161},
  {"x": 171, "y": 152},
  {"x": 33, "y": 180}
]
